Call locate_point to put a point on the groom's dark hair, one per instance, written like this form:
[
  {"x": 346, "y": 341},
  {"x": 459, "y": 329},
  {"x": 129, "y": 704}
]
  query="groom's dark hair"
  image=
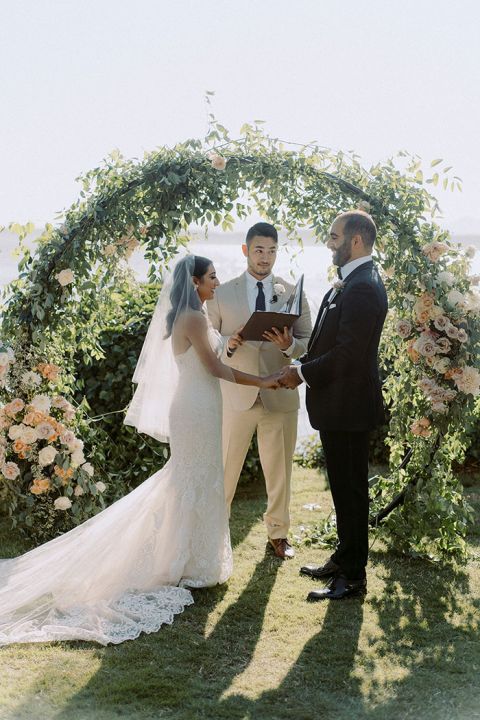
[
  {"x": 358, "y": 222},
  {"x": 264, "y": 230}
]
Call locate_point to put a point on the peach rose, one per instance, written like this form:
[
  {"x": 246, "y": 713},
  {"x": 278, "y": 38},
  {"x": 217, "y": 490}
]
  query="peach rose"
[
  {"x": 40, "y": 486},
  {"x": 218, "y": 161},
  {"x": 411, "y": 352},
  {"x": 421, "y": 428},
  {"x": 434, "y": 250}
]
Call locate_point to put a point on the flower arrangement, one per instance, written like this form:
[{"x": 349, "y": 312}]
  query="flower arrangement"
[
  {"x": 42, "y": 460},
  {"x": 436, "y": 329}
]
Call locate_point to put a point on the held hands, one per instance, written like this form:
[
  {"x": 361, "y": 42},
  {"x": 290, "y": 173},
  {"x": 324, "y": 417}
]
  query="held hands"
[
  {"x": 282, "y": 339},
  {"x": 287, "y": 377}
]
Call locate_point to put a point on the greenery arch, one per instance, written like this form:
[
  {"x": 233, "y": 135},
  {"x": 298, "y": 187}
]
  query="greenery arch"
[{"x": 430, "y": 343}]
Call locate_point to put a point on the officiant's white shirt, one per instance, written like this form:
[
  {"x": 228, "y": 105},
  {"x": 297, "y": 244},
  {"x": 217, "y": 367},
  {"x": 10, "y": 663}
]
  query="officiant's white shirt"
[{"x": 252, "y": 292}]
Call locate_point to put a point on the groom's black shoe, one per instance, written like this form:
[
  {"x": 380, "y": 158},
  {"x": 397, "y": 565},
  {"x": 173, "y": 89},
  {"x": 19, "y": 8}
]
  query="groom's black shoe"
[
  {"x": 338, "y": 588},
  {"x": 330, "y": 569}
]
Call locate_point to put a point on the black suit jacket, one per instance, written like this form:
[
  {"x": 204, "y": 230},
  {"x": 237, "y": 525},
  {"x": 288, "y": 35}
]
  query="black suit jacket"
[{"x": 341, "y": 364}]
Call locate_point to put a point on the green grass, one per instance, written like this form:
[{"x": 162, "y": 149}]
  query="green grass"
[{"x": 255, "y": 649}]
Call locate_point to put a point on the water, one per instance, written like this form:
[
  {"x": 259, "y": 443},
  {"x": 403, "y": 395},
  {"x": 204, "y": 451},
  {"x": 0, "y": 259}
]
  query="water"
[{"x": 226, "y": 253}]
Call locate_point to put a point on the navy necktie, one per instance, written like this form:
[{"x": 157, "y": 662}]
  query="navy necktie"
[
  {"x": 339, "y": 273},
  {"x": 260, "y": 302}
]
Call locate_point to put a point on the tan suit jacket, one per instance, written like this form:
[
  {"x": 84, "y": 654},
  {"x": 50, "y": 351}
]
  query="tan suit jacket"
[{"x": 228, "y": 311}]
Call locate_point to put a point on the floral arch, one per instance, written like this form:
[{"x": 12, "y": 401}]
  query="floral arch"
[{"x": 430, "y": 342}]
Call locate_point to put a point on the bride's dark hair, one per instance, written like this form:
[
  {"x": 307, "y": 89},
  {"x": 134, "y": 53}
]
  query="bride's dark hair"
[{"x": 183, "y": 294}]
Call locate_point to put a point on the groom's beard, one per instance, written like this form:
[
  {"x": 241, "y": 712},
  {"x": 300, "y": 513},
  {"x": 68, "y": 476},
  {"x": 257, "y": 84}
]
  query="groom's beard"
[{"x": 343, "y": 254}]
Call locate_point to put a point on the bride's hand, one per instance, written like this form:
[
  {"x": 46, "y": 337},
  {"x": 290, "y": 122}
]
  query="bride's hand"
[{"x": 269, "y": 382}]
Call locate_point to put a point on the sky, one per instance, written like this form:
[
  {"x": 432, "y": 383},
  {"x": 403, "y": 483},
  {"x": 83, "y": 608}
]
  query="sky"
[{"x": 78, "y": 79}]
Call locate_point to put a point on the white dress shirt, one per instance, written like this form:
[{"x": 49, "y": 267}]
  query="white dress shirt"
[
  {"x": 345, "y": 271},
  {"x": 252, "y": 293}
]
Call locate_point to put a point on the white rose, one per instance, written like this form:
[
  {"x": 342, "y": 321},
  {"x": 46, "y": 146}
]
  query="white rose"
[
  {"x": 67, "y": 438},
  {"x": 10, "y": 470},
  {"x": 29, "y": 435},
  {"x": 4, "y": 359},
  {"x": 42, "y": 403},
  {"x": 77, "y": 458},
  {"x": 47, "y": 455},
  {"x": 468, "y": 381},
  {"x": 44, "y": 431},
  {"x": 16, "y": 431},
  {"x": 65, "y": 277},
  {"x": 59, "y": 402},
  {"x": 31, "y": 379},
  {"x": 278, "y": 288},
  {"x": 470, "y": 251},
  {"x": 62, "y": 503},
  {"x": 455, "y": 297},
  {"x": 446, "y": 277},
  {"x": 441, "y": 365},
  {"x": 101, "y": 487},
  {"x": 78, "y": 491},
  {"x": 88, "y": 468}
]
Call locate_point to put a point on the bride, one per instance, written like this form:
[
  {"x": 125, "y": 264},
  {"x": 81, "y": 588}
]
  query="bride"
[{"x": 127, "y": 570}]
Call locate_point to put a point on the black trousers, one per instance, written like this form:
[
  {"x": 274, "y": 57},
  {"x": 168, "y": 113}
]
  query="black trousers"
[{"x": 346, "y": 455}]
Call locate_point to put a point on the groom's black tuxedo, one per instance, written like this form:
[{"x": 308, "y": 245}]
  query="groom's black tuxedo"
[
  {"x": 344, "y": 401},
  {"x": 341, "y": 366}
]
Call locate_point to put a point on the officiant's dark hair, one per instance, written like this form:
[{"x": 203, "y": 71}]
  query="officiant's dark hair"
[
  {"x": 183, "y": 294},
  {"x": 264, "y": 230},
  {"x": 358, "y": 222}
]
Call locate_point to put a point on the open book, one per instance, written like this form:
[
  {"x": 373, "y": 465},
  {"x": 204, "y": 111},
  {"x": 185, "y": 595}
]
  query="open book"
[{"x": 262, "y": 320}]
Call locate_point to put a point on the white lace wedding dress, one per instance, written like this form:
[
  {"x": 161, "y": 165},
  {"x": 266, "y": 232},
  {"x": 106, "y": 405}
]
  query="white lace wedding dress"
[{"x": 127, "y": 570}]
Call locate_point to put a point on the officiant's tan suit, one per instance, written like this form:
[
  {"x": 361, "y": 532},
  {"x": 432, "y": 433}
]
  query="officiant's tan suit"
[{"x": 273, "y": 413}]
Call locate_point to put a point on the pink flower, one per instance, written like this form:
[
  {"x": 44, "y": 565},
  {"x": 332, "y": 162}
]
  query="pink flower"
[
  {"x": 451, "y": 331},
  {"x": 462, "y": 336},
  {"x": 444, "y": 345},
  {"x": 10, "y": 470},
  {"x": 404, "y": 328}
]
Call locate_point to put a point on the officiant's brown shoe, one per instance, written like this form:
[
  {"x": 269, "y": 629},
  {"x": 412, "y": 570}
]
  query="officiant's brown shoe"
[
  {"x": 282, "y": 548},
  {"x": 330, "y": 569}
]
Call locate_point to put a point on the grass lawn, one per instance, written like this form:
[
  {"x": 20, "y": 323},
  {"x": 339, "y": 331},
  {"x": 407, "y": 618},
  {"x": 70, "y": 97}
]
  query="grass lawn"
[{"x": 255, "y": 649}]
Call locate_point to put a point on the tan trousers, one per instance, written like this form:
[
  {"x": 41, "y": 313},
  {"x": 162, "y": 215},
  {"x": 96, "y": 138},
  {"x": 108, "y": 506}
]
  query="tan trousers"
[{"x": 276, "y": 435}]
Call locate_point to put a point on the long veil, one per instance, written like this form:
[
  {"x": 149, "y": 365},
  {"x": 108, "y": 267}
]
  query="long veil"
[{"x": 156, "y": 373}]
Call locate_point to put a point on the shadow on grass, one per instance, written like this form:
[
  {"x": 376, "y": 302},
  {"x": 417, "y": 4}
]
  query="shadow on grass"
[
  {"x": 182, "y": 673},
  {"x": 419, "y": 614}
]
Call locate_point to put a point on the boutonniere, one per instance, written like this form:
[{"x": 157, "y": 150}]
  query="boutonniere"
[
  {"x": 278, "y": 289},
  {"x": 338, "y": 285}
]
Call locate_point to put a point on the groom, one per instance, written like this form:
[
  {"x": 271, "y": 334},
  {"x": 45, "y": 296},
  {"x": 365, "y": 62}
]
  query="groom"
[
  {"x": 271, "y": 413},
  {"x": 343, "y": 395}
]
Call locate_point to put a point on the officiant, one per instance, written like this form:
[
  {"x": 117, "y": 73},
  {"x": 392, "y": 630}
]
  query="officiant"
[{"x": 272, "y": 414}]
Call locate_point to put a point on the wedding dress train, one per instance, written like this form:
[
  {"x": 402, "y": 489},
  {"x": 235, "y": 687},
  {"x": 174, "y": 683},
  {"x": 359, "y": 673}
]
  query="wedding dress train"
[{"x": 128, "y": 569}]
